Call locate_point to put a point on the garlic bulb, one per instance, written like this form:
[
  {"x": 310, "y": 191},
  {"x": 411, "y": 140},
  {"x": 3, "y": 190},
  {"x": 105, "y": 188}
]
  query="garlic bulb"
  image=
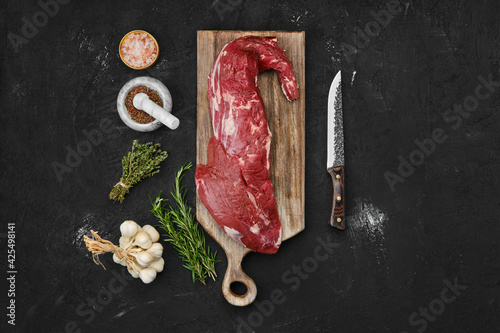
[
  {"x": 157, "y": 265},
  {"x": 142, "y": 254},
  {"x": 121, "y": 261},
  {"x": 156, "y": 250},
  {"x": 155, "y": 236},
  {"x": 143, "y": 240},
  {"x": 147, "y": 275},
  {"x": 134, "y": 274},
  {"x": 125, "y": 242},
  {"x": 144, "y": 258},
  {"x": 129, "y": 229},
  {"x": 134, "y": 249}
]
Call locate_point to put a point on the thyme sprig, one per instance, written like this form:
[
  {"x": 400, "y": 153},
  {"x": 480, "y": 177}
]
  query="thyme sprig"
[
  {"x": 182, "y": 231},
  {"x": 142, "y": 162}
]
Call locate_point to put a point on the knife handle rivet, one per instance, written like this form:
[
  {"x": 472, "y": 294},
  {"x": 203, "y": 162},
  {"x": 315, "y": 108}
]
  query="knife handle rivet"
[
  {"x": 339, "y": 220},
  {"x": 337, "y": 176},
  {"x": 339, "y": 198}
]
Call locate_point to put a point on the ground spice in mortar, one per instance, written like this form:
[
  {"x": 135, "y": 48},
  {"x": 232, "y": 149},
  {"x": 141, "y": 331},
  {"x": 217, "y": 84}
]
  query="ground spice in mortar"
[{"x": 140, "y": 116}]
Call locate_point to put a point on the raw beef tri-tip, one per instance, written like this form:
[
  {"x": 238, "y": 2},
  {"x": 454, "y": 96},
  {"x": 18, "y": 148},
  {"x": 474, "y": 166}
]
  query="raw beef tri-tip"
[{"x": 234, "y": 185}]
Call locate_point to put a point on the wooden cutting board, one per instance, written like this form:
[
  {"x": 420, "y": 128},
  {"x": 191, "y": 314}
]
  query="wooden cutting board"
[{"x": 286, "y": 122}]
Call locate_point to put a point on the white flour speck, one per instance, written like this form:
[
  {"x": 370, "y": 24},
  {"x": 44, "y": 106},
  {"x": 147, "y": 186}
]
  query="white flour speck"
[
  {"x": 87, "y": 222},
  {"x": 367, "y": 217},
  {"x": 368, "y": 222},
  {"x": 353, "y": 76},
  {"x": 85, "y": 230},
  {"x": 121, "y": 313},
  {"x": 19, "y": 89},
  {"x": 332, "y": 49}
]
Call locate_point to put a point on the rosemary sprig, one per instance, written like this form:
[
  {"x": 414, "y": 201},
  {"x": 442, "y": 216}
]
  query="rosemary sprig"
[
  {"x": 142, "y": 162},
  {"x": 182, "y": 231}
]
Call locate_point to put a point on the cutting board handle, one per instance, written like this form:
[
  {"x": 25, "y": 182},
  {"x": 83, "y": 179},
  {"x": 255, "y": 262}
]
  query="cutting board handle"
[{"x": 234, "y": 273}]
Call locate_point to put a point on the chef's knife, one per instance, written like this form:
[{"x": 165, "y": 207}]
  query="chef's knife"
[{"x": 335, "y": 158}]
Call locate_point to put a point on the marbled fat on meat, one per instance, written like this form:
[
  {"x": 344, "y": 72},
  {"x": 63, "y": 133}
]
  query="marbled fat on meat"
[{"x": 234, "y": 185}]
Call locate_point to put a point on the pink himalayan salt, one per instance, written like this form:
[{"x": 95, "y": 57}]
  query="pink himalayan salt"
[{"x": 139, "y": 50}]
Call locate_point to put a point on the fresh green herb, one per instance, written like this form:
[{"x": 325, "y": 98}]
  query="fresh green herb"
[
  {"x": 182, "y": 231},
  {"x": 142, "y": 162}
]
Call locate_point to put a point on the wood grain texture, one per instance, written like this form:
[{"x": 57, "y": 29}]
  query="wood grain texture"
[
  {"x": 286, "y": 122},
  {"x": 337, "y": 216}
]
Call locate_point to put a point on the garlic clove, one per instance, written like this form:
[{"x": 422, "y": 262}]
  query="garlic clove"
[
  {"x": 147, "y": 275},
  {"x": 155, "y": 236},
  {"x": 143, "y": 240},
  {"x": 157, "y": 265},
  {"x": 129, "y": 229},
  {"x": 144, "y": 258},
  {"x": 156, "y": 250},
  {"x": 125, "y": 242},
  {"x": 119, "y": 261}
]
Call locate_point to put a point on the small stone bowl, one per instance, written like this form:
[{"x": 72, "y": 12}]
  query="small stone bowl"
[{"x": 148, "y": 82}]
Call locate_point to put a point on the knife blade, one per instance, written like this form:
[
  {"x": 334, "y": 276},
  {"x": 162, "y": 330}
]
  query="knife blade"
[{"x": 335, "y": 151}]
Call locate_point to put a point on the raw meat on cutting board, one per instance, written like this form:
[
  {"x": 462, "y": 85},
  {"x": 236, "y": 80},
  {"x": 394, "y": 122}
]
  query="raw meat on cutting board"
[{"x": 234, "y": 185}]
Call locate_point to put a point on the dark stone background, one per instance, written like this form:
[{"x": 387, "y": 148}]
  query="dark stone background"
[{"x": 441, "y": 223}]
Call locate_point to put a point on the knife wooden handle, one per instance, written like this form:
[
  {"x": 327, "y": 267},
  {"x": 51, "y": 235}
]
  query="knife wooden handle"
[{"x": 337, "y": 217}]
